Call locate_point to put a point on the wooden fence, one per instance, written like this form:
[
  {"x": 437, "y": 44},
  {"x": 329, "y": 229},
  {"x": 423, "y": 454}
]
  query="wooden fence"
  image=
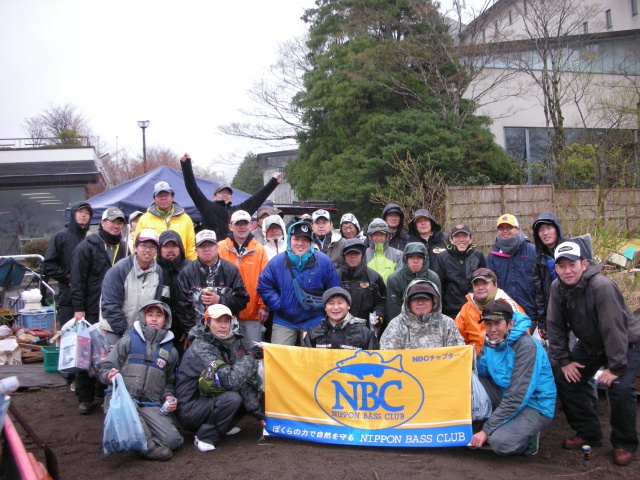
[{"x": 579, "y": 210}]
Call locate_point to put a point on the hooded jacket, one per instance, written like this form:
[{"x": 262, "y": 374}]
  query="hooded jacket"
[
  {"x": 595, "y": 311},
  {"x": 59, "y": 256},
  {"x": 332, "y": 246},
  {"x": 250, "y": 262},
  {"x": 275, "y": 285},
  {"x": 171, "y": 269},
  {"x": 148, "y": 376},
  {"x": 126, "y": 287},
  {"x": 349, "y": 334},
  {"x": 409, "y": 331},
  {"x": 454, "y": 268},
  {"x": 274, "y": 246},
  {"x": 468, "y": 320},
  {"x": 436, "y": 243},
  {"x": 516, "y": 275},
  {"x": 521, "y": 369},
  {"x": 400, "y": 279},
  {"x": 239, "y": 373},
  {"x": 216, "y": 214},
  {"x": 179, "y": 222},
  {"x": 89, "y": 266},
  {"x": 398, "y": 239},
  {"x": 192, "y": 280},
  {"x": 366, "y": 287},
  {"x": 382, "y": 258}
]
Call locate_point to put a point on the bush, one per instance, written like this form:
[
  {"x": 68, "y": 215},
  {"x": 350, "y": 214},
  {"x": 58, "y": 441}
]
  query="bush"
[{"x": 35, "y": 247}]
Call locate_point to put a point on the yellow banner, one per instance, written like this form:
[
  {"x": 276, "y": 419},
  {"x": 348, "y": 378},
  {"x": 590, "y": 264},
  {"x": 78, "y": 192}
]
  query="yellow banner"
[{"x": 403, "y": 398}]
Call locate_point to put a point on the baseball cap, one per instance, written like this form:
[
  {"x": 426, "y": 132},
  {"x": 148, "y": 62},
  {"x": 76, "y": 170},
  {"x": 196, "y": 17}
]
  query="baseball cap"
[
  {"x": 266, "y": 210},
  {"x": 568, "y": 250},
  {"x": 508, "y": 219},
  {"x": 421, "y": 290},
  {"x": 320, "y": 214},
  {"x": 217, "y": 311},
  {"x": 336, "y": 291},
  {"x": 353, "y": 245},
  {"x": 206, "y": 236},
  {"x": 162, "y": 187},
  {"x": 301, "y": 229},
  {"x": 221, "y": 187},
  {"x": 135, "y": 215},
  {"x": 484, "y": 274},
  {"x": 239, "y": 216},
  {"x": 113, "y": 213},
  {"x": 461, "y": 227},
  {"x": 160, "y": 305},
  {"x": 497, "y": 310},
  {"x": 148, "y": 235}
]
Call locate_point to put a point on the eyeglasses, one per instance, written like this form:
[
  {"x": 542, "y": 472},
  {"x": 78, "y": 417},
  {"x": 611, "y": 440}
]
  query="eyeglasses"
[
  {"x": 505, "y": 229},
  {"x": 149, "y": 248}
]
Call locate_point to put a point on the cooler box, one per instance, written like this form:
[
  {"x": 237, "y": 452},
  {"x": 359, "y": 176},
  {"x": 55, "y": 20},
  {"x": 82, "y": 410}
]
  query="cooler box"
[{"x": 44, "y": 318}]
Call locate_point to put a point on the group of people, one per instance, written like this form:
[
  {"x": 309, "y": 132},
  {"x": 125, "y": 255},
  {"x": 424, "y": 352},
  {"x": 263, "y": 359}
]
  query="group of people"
[{"x": 207, "y": 300}]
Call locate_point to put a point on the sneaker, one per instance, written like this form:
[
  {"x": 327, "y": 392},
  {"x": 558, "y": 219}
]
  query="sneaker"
[
  {"x": 533, "y": 445},
  {"x": 203, "y": 446},
  {"x": 160, "y": 454},
  {"x": 85, "y": 408},
  {"x": 233, "y": 431}
]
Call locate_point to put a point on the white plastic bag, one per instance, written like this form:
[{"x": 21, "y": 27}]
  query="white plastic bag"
[
  {"x": 481, "y": 408},
  {"x": 75, "y": 349}
]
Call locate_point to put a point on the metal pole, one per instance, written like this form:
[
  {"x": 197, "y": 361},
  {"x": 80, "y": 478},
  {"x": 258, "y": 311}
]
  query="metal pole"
[{"x": 144, "y": 151}]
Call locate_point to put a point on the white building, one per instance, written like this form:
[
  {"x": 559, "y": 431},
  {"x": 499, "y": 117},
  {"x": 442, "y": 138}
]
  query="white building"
[{"x": 599, "y": 52}]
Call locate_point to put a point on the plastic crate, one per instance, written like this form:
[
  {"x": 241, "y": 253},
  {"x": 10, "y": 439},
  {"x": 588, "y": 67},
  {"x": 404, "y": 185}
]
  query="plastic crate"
[
  {"x": 44, "y": 318},
  {"x": 51, "y": 355}
]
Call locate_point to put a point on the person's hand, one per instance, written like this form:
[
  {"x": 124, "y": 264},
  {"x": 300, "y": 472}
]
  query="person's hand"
[
  {"x": 257, "y": 352},
  {"x": 571, "y": 372},
  {"x": 479, "y": 439},
  {"x": 173, "y": 403},
  {"x": 263, "y": 315},
  {"x": 264, "y": 424},
  {"x": 185, "y": 157},
  {"x": 278, "y": 176},
  {"x": 606, "y": 378},
  {"x": 78, "y": 315},
  {"x": 112, "y": 373},
  {"x": 209, "y": 297},
  {"x": 543, "y": 333}
]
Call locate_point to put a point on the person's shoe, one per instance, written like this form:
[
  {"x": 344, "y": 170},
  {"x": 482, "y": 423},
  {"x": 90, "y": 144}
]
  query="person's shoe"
[
  {"x": 85, "y": 408},
  {"x": 622, "y": 457},
  {"x": 160, "y": 454},
  {"x": 203, "y": 446},
  {"x": 233, "y": 431},
  {"x": 574, "y": 443},
  {"x": 533, "y": 445}
]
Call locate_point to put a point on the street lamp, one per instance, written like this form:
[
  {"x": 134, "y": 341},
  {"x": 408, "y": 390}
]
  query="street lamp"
[{"x": 143, "y": 124}]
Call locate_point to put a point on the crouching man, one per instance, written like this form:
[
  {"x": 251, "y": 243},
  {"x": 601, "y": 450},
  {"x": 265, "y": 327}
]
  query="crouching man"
[
  {"x": 218, "y": 382},
  {"x": 339, "y": 329},
  {"x": 147, "y": 361},
  {"x": 516, "y": 373}
]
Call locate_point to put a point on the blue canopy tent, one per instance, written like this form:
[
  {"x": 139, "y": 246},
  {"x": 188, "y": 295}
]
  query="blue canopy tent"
[{"x": 137, "y": 194}]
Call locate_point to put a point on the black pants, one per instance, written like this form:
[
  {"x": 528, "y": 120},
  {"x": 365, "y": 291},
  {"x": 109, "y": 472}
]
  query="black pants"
[
  {"x": 212, "y": 418},
  {"x": 576, "y": 399}
]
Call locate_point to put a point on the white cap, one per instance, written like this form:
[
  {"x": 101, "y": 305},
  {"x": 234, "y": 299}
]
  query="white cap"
[
  {"x": 240, "y": 215},
  {"x": 568, "y": 250},
  {"x": 320, "y": 214},
  {"x": 162, "y": 187},
  {"x": 206, "y": 236},
  {"x": 148, "y": 235}
]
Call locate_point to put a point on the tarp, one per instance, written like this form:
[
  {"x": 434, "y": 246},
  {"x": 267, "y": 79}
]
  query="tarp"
[
  {"x": 386, "y": 398},
  {"x": 137, "y": 194}
]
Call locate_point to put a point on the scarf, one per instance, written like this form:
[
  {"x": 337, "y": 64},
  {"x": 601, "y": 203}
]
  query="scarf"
[
  {"x": 510, "y": 245},
  {"x": 227, "y": 340},
  {"x": 210, "y": 272},
  {"x": 108, "y": 238},
  {"x": 490, "y": 298}
]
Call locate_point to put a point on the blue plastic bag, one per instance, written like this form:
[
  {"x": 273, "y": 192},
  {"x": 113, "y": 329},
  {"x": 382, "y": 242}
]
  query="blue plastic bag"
[
  {"x": 481, "y": 408},
  {"x": 123, "y": 431}
]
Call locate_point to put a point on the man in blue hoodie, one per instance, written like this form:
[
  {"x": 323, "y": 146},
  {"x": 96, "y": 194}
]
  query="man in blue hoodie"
[
  {"x": 292, "y": 285},
  {"x": 516, "y": 373}
]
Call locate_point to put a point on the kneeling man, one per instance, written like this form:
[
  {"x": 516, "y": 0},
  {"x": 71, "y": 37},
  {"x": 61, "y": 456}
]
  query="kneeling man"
[{"x": 516, "y": 373}]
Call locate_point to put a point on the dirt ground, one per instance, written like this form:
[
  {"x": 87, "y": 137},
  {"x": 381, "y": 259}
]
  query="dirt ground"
[{"x": 77, "y": 443}]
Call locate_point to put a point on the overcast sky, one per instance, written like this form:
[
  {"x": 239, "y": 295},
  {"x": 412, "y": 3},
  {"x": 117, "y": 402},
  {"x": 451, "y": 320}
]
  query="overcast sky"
[{"x": 183, "y": 65}]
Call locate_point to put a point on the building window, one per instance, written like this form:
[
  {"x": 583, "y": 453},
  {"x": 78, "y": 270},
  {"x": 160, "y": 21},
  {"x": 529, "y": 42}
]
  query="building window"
[
  {"x": 585, "y": 28},
  {"x": 607, "y": 16},
  {"x": 634, "y": 8},
  {"x": 510, "y": 18}
]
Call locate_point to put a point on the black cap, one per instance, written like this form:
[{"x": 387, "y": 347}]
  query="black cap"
[
  {"x": 336, "y": 291},
  {"x": 301, "y": 229},
  {"x": 497, "y": 310},
  {"x": 353, "y": 245}
]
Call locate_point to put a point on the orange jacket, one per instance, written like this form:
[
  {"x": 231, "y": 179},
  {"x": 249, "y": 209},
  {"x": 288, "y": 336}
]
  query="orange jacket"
[
  {"x": 250, "y": 265},
  {"x": 467, "y": 320}
]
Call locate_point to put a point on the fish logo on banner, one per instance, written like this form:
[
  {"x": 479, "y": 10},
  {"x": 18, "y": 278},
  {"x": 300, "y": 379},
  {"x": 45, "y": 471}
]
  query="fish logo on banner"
[{"x": 364, "y": 391}]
